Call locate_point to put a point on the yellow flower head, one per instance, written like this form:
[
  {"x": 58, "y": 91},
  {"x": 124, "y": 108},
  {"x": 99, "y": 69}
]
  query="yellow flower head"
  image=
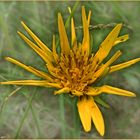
[{"x": 76, "y": 69}]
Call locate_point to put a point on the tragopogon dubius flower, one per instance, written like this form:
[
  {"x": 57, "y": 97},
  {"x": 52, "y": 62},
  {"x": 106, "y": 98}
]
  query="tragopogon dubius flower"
[{"x": 76, "y": 68}]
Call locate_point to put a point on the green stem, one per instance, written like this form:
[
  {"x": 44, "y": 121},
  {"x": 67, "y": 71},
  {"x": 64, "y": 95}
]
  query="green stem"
[
  {"x": 104, "y": 26},
  {"x": 25, "y": 115},
  {"x": 7, "y": 98},
  {"x": 76, "y": 133},
  {"x": 62, "y": 115},
  {"x": 34, "y": 118},
  {"x": 36, "y": 121}
]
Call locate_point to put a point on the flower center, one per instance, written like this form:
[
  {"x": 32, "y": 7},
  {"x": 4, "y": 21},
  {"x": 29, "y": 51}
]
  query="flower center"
[
  {"x": 75, "y": 73},
  {"x": 75, "y": 70}
]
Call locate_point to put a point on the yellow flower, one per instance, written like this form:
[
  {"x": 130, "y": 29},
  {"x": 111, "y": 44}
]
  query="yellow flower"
[{"x": 75, "y": 69}]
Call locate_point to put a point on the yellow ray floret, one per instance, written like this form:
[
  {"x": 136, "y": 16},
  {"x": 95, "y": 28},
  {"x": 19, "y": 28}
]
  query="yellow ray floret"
[
  {"x": 88, "y": 110},
  {"x": 85, "y": 113},
  {"x": 43, "y": 83},
  {"x": 63, "y": 90},
  {"x": 86, "y": 39},
  {"x": 65, "y": 47},
  {"x": 121, "y": 39},
  {"x": 123, "y": 65},
  {"x": 107, "y": 44},
  {"x": 109, "y": 90},
  {"x": 73, "y": 34},
  {"x": 97, "y": 117},
  {"x": 55, "y": 55},
  {"x": 104, "y": 69},
  {"x": 39, "y": 51},
  {"x": 30, "y": 69},
  {"x": 89, "y": 17},
  {"x": 38, "y": 41},
  {"x": 113, "y": 58}
]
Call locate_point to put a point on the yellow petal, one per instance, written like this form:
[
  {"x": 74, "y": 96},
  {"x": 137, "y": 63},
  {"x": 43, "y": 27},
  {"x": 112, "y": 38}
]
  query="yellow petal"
[
  {"x": 107, "y": 44},
  {"x": 55, "y": 55},
  {"x": 43, "y": 74},
  {"x": 97, "y": 117},
  {"x": 38, "y": 41},
  {"x": 113, "y": 58},
  {"x": 93, "y": 91},
  {"x": 25, "y": 82},
  {"x": 123, "y": 65},
  {"x": 84, "y": 113},
  {"x": 121, "y": 39},
  {"x": 52, "y": 70},
  {"x": 77, "y": 93},
  {"x": 117, "y": 91},
  {"x": 56, "y": 85},
  {"x": 89, "y": 17},
  {"x": 73, "y": 34},
  {"x": 43, "y": 83},
  {"x": 86, "y": 37},
  {"x": 42, "y": 54},
  {"x": 65, "y": 47},
  {"x": 30, "y": 69},
  {"x": 63, "y": 90},
  {"x": 104, "y": 69}
]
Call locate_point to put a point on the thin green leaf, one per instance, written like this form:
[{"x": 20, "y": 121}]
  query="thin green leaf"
[{"x": 101, "y": 102}]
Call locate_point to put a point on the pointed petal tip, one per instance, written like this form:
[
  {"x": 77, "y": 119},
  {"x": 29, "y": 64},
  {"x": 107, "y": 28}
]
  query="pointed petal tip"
[
  {"x": 133, "y": 95},
  {"x": 87, "y": 129},
  {"x": 102, "y": 133},
  {"x": 59, "y": 15},
  {"x": 120, "y": 24},
  {"x": 7, "y": 58},
  {"x": 83, "y": 7},
  {"x": 123, "y": 65},
  {"x": 90, "y": 12},
  {"x": 83, "y": 10},
  {"x": 22, "y": 22},
  {"x": 59, "y": 18},
  {"x": 18, "y": 32}
]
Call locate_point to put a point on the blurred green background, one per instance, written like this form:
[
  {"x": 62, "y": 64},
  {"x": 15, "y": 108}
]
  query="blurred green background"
[{"x": 34, "y": 112}]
